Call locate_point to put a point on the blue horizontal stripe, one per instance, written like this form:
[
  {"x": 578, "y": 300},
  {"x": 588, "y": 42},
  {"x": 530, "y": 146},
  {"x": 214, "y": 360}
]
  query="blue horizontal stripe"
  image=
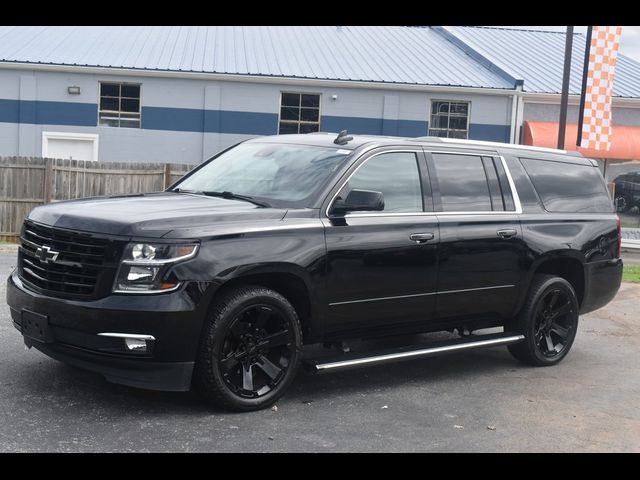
[
  {"x": 361, "y": 125},
  {"x": 176, "y": 119},
  {"x": 66, "y": 113},
  {"x": 412, "y": 128},
  {"x": 254, "y": 123},
  {"x": 213, "y": 121},
  {"x": 375, "y": 126},
  {"x": 222, "y": 121},
  {"x": 9, "y": 111},
  {"x": 491, "y": 133},
  {"x": 48, "y": 113}
]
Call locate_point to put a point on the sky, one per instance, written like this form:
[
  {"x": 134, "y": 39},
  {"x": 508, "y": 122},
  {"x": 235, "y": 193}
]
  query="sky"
[{"x": 629, "y": 42}]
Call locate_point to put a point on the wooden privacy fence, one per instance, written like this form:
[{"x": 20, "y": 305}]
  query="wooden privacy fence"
[{"x": 26, "y": 182}]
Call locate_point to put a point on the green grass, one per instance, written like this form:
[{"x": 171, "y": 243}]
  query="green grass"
[{"x": 631, "y": 274}]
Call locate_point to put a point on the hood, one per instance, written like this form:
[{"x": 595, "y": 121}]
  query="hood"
[{"x": 149, "y": 215}]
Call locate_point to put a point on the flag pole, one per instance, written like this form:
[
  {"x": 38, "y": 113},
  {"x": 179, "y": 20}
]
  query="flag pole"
[
  {"x": 564, "y": 99},
  {"x": 585, "y": 72}
]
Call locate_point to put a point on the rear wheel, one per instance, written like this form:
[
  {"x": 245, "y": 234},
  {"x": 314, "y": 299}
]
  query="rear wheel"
[
  {"x": 250, "y": 350},
  {"x": 548, "y": 320}
]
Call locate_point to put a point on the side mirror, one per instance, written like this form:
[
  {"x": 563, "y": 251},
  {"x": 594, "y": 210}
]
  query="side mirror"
[{"x": 359, "y": 201}]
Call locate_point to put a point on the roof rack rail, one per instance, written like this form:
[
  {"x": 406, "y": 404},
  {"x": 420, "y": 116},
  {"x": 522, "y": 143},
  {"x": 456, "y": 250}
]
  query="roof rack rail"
[{"x": 485, "y": 143}]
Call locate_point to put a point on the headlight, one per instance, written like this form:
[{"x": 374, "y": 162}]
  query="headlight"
[
  {"x": 143, "y": 251},
  {"x": 158, "y": 253},
  {"x": 145, "y": 267}
]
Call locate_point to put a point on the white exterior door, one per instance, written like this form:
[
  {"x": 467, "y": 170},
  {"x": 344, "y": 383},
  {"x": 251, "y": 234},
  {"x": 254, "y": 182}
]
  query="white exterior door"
[{"x": 75, "y": 146}]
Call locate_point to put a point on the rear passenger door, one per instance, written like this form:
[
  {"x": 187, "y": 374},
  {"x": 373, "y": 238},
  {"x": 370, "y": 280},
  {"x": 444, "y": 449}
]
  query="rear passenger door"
[{"x": 481, "y": 252}]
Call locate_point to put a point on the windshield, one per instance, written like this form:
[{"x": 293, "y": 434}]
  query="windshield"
[{"x": 286, "y": 173}]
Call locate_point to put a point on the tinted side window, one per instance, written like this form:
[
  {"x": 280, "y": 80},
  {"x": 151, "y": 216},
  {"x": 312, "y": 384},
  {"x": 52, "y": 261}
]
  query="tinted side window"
[
  {"x": 568, "y": 187},
  {"x": 396, "y": 175},
  {"x": 507, "y": 196},
  {"x": 463, "y": 183},
  {"x": 494, "y": 184}
]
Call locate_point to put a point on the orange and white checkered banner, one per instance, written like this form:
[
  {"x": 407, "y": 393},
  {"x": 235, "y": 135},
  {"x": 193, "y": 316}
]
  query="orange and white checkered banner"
[{"x": 596, "y": 124}]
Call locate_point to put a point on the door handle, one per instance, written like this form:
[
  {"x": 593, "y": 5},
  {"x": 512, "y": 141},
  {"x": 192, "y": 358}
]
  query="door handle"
[
  {"x": 421, "y": 237},
  {"x": 508, "y": 233}
]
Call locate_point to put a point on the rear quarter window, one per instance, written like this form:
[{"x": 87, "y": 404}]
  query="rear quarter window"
[{"x": 568, "y": 187}]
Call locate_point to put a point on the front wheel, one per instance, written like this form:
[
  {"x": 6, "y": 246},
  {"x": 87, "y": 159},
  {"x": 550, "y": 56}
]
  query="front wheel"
[
  {"x": 548, "y": 320},
  {"x": 250, "y": 350}
]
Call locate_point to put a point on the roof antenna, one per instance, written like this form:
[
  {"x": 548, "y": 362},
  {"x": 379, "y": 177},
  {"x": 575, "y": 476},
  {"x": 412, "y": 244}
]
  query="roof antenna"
[{"x": 343, "y": 138}]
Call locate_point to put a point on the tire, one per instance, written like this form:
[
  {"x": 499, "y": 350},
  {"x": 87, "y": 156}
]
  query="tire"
[
  {"x": 250, "y": 350},
  {"x": 622, "y": 203},
  {"x": 548, "y": 321}
]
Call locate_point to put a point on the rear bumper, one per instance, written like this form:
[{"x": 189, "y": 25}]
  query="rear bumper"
[
  {"x": 174, "y": 320},
  {"x": 602, "y": 282}
]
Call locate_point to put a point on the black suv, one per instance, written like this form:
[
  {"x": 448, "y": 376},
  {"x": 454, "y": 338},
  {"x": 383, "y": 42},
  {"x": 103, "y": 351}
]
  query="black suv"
[
  {"x": 627, "y": 191},
  {"x": 280, "y": 246}
]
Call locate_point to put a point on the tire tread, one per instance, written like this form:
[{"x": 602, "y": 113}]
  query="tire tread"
[
  {"x": 207, "y": 383},
  {"x": 524, "y": 351}
]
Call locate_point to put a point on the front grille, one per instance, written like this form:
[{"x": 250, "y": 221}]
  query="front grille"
[{"x": 83, "y": 263}]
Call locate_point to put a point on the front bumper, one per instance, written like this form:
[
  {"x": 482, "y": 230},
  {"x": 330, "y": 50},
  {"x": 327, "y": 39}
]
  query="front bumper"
[{"x": 174, "y": 320}]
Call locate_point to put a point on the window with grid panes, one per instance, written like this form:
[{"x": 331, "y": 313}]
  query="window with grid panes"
[
  {"x": 449, "y": 119},
  {"x": 119, "y": 105},
  {"x": 299, "y": 113}
]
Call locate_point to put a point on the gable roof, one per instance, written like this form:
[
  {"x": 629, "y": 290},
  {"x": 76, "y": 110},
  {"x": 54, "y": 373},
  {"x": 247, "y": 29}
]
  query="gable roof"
[
  {"x": 373, "y": 54},
  {"x": 537, "y": 57},
  {"x": 482, "y": 57}
]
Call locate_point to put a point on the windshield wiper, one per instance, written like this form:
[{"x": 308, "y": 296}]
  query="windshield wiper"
[
  {"x": 229, "y": 195},
  {"x": 235, "y": 196},
  {"x": 183, "y": 190}
]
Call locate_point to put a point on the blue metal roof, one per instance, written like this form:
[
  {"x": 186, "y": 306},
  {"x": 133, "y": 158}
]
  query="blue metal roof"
[
  {"x": 375, "y": 54},
  {"x": 537, "y": 57},
  {"x": 484, "y": 57}
]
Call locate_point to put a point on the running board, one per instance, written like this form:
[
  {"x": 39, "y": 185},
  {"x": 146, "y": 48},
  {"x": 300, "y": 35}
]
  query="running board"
[{"x": 356, "y": 360}]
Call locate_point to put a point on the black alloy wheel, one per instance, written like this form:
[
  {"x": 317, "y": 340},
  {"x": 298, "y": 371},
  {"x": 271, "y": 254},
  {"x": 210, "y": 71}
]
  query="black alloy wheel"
[
  {"x": 554, "y": 322},
  {"x": 250, "y": 350},
  {"x": 257, "y": 351},
  {"x": 548, "y": 320}
]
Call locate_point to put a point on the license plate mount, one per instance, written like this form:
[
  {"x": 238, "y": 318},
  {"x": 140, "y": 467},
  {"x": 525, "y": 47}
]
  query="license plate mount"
[{"x": 36, "y": 327}]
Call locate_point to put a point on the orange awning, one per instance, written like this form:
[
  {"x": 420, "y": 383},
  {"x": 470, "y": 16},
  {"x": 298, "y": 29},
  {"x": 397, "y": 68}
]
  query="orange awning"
[{"x": 625, "y": 141}]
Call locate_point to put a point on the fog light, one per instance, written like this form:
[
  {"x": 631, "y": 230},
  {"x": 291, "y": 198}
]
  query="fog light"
[
  {"x": 133, "y": 342},
  {"x": 136, "y": 344}
]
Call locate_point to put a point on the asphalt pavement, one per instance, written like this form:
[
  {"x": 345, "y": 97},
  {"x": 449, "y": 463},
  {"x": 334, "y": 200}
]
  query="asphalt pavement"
[{"x": 481, "y": 400}]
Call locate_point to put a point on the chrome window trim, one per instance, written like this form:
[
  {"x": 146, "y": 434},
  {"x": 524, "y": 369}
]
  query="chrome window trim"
[
  {"x": 399, "y": 214},
  {"x": 417, "y": 151},
  {"x": 512, "y": 186},
  {"x": 377, "y": 299}
]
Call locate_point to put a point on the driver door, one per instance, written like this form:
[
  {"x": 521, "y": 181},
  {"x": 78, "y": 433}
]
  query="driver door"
[{"x": 378, "y": 272}]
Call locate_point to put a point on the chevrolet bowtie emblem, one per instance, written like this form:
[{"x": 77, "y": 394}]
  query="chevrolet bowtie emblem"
[{"x": 46, "y": 255}]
